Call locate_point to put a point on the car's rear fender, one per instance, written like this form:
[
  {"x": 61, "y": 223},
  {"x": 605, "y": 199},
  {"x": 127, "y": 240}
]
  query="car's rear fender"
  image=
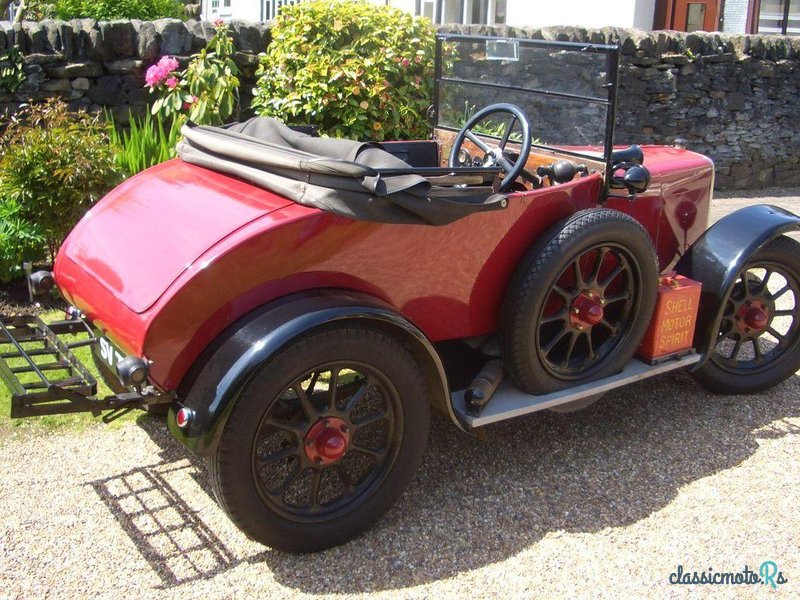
[
  {"x": 213, "y": 385},
  {"x": 718, "y": 256}
]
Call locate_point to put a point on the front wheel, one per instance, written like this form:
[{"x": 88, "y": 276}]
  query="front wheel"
[
  {"x": 323, "y": 439},
  {"x": 758, "y": 344}
]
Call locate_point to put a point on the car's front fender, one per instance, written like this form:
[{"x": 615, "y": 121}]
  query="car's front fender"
[
  {"x": 229, "y": 363},
  {"x": 720, "y": 254}
]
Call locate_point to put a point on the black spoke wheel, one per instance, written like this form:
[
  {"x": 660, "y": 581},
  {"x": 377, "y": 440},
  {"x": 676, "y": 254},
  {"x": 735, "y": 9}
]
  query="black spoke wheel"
[
  {"x": 758, "y": 344},
  {"x": 323, "y": 439},
  {"x": 329, "y": 438},
  {"x": 580, "y": 302}
]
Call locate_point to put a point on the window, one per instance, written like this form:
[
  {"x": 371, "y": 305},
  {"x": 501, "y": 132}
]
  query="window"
[
  {"x": 478, "y": 12},
  {"x": 271, "y": 8},
  {"x": 779, "y": 17},
  {"x": 695, "y": 17}
]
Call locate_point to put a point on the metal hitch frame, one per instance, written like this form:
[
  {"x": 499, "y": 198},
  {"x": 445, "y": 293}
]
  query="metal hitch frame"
[{"x": 46, "y": 395}]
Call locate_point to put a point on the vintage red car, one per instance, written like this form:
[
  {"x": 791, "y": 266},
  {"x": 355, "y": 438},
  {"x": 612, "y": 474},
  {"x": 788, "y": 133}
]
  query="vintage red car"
[{"x": 301, "y": 303}]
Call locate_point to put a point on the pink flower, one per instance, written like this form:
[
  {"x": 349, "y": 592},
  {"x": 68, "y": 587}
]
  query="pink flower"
[
  {"x": 172, "y": 83},
  {"x": 168, "y": 63},
  {"x": 155, "y": 75},
  {"x": 405, "y": 62},
  {"x": 218, "y": 22}
]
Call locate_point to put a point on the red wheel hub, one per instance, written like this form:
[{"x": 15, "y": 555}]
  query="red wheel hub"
[
  {"x": 753, "y": 316},
  {"x": 586, "y": 310},
  {"x": 327, "y": 440}
]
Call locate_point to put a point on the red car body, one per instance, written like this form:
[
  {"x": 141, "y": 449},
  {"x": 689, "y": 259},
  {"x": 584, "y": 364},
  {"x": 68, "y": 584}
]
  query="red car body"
[{"x": 200, "y": 249}]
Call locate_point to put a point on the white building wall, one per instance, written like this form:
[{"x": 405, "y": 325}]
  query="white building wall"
[
  {"x": 582, "y": 13},
  {"x": 734, "y": 18}
]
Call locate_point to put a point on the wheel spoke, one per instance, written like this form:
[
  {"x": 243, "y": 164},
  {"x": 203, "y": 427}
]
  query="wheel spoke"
[
  {"x": 332, "y": 385},
  {"x": 611, "y": 276},
  {"x": 778, "y": 336},
  {"x": 274, "y": 457},
  {"x": 507, "y": 132},
  {"x": 784, "y": 313},
  {"x": 287, "y": 483},
  {"x": 375, "y": 455},
  {"x": 559, "y": 316},
  {"x": 576, "y": 266},
  {"x": 736, "y": 348},
  {"x": 370, "y": 420},
  {"x": 573, "y": 338},
  {"x": 757, "y": 349},
  {"x": 298, "y": 429},
  {"x": 357, "y": 396},
  {"x": 563, "y": 293},
  {"x": 765, "y": 281},
  {"x": 601, "y": 256},
  {"x": 613, "y": 329},
  {"x": 313, "y": 493},
  {"x": 345, "y": 478},
  {"x": 617, "y": 297},
  {"x": 554, "y": 341},
  {"x": 781, "y": 292},
  {"x": 505, "y": 163},
  {"x": 305, "y": 401},
  {"x": 478, "y": 142},
  {"x": 592, "y": 355}
]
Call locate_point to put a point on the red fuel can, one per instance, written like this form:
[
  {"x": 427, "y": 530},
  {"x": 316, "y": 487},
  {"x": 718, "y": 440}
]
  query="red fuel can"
[{"x": 672, "y": 327}]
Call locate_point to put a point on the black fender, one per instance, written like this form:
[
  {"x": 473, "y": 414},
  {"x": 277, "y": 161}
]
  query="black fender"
[
  {"x": 718, "y": 256},
  {"x": 228, "y": 364}
]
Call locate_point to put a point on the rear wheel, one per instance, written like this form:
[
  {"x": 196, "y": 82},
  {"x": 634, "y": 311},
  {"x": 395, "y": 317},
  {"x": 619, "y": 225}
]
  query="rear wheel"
[
  {"x": 323, "y": 440},
  {"x": 580, "y": 302},
  {"x": 758, "y": 345}
]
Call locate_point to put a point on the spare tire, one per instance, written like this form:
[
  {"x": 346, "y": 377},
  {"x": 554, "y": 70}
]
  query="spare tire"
[{"x": 580, "y": 302}]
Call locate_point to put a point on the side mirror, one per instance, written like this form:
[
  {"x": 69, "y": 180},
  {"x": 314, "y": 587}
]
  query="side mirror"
[{"x": 636, "y": 179}]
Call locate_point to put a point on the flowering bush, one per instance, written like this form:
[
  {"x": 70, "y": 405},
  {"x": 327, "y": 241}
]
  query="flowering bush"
[
  {"x": 353, "y": 69},
  {"x": 207, "y": 92}
]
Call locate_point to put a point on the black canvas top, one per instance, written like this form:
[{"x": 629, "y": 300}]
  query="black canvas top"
[{"x": 337, "y": 175}]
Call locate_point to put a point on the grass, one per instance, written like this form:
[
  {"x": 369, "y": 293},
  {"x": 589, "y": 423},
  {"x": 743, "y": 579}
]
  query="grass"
[{"x": 78, "y": 421}]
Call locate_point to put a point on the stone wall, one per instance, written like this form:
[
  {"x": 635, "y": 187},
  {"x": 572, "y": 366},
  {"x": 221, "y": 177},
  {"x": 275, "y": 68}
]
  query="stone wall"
[
  {"x": 735, "y": 98},
  {"x": 96, "y": 65}
]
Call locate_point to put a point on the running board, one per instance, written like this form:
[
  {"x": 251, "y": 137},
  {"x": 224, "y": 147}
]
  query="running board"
[{"x": 509, "y": 401}]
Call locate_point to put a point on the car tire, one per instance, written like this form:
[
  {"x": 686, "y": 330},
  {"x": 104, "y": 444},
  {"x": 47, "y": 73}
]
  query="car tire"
[
  {"x": 557, "y": 330},
  {"x": 371, "y": 363},
  {"x": 742, "y": 371}
]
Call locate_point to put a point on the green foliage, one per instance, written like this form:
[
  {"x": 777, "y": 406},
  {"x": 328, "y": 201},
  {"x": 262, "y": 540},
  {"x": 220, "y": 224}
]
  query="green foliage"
[
  {"x": 20, "y": 240},
  {"x": 54, "y": 165},
  {"x": 207, "y": 92},
  {"x": 351, "y": 68},
  {"x": 106, "y": 10},
  {"x": 148, "y": 142},
  {"x": 11, "y": 74}
]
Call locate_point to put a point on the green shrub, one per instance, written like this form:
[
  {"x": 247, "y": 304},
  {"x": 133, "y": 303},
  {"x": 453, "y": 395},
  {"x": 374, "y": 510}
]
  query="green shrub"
[
  {"x": 146, "y": 143},
  {"x": 11, "y": 72},
  {"x": 20, "y": 240},
  {"x": 106, "y": 10},
  {"x": 353, "y": 69},
  {"x": 207, "y": 92},
  {"x": 54, "y": 165}
]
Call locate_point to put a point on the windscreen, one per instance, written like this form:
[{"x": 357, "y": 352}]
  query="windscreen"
[{"x": 566, "y": 89}]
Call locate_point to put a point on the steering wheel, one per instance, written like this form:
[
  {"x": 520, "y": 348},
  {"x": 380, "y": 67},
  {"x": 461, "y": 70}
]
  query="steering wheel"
[{"x": 496, "y": 155}]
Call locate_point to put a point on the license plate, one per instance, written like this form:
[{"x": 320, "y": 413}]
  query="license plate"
[{"x": 108, "y": 353}]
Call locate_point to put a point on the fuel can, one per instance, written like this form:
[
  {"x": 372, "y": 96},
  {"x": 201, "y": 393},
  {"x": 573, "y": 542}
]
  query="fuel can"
[{"x": 671, "y": 330}]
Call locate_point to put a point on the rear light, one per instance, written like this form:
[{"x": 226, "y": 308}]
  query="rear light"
[
  {"x": 183, "y": 418},
  {"x": 133, "y": 370}
]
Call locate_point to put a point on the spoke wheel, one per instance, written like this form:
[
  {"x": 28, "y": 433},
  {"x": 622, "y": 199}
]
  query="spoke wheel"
[
  {"x": 587, "y": 311},
  {"x": 329, "y": 437},
  {"x": 758, "y": 344},
  {"x": 322, "y": 439},
  {"x": 580, "y": 302}
]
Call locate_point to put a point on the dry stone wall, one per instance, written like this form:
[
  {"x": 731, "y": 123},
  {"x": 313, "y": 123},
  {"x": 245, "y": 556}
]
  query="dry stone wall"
[{"x": 735, "y": 98}]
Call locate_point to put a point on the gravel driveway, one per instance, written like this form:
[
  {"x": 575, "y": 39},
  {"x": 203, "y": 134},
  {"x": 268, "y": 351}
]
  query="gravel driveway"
[{"x": 604, "y": 502}]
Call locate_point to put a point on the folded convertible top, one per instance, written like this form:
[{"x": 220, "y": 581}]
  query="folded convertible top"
[{"x": 345, "y": 177}]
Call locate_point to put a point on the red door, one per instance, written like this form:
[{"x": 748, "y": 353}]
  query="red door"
[{"x": 695, "y": 15}]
